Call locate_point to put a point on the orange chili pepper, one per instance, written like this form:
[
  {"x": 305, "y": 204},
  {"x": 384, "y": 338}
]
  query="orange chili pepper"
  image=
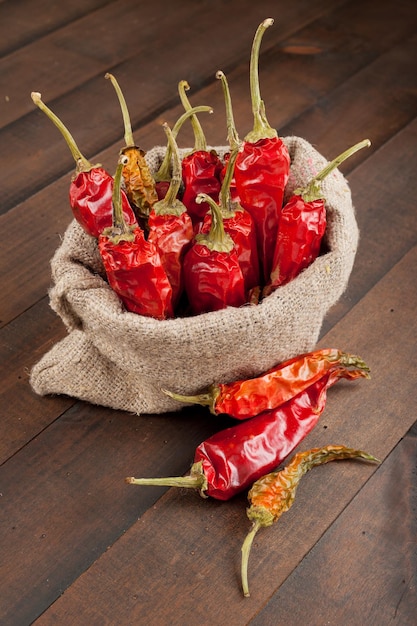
[{"x": 273, "y": 494}]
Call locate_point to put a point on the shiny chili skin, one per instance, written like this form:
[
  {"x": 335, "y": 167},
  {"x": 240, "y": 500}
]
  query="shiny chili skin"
[
  {"x": 170, "y": 226},
  {"x": 261, "y": 174},
  {"x": 91, "y": 187},
  {"x": 200, "y": 174},
  {"x": 233, "y": 459},
  {"x": 133, "y": 266},
  {"x": 246, "y": 398},
  {"x": 301, "y": 230},
  {"x": 90, "y": 196},
  {"x": 303, "y": 225}
]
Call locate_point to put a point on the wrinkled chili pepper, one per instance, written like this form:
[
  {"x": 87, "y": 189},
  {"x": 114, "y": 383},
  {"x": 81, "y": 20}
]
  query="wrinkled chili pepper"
[
  {"x": 91, "y": 187},
  {"x": 246, "y": 398},
  {"x": 273, "y": 494},
  {"x": 237, "y": 222},
  {"x": 138, "y": 180},
  {"x": 133, "y": 267},
  {"x": 200, "y": 168},
  {"x": 262, "y": 168},
  {"x": 233, "y": 459},
  {"x": 302, "y": 226},
  {"x": 213, "y": 278},
  {"x": 170, "y": 226},
  {"x": 163, "y": 176}
]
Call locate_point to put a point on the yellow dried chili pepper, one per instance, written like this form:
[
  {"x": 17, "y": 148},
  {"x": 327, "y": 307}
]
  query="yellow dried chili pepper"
[
  {"x": 138, "y": 179},
  {"x": 273, "y": 494}
]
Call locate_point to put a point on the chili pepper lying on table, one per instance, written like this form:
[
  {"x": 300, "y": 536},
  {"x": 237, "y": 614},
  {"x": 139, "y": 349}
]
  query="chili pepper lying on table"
[
  {"x": 237, "y": 222},
  {"x": 273, "y": 494},
  {"x": 246, "y": 398},
  {"x": 200, "y": 168},
  {"x": 163, "y": 176},
  {"x": 138, "y": 180},
  {"x": 91, "y": 188},
  {"x": 262, "y": 168},
  {"x": 213, "y": 278},
  {"x": 233, "y": 459},
  {"x": 133, "y": 266},
  {"x": 170, "y": 226},
  {"x": 302, "y": 226}
]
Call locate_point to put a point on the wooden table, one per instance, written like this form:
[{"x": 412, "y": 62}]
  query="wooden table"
[{"x": 80, "y": 547}]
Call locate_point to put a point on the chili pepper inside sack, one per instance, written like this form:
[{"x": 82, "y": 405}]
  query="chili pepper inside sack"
[{"x": 115, "y": 358}]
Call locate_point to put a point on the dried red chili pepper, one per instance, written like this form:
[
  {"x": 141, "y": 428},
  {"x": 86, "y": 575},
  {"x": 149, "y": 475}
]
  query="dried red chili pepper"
[
  {"x": 213, "y": 278},
  {"x": 237, "y": 222},
  {"x": 303, "y": 225},
  {"x": 273, "y": 494},
  {"x": 91, "y": 187},
  {"x": 233, "y": 459},
  {"x": 163, "y": 175},
  {"x": 138, "y": 180},
  {"x": 133, "y": 267},
  {"x": 246, "y": 398},
  {"x": 200, "y": 168},
  {"x": 170, "y": 226},
  {"x": 262, "y": 168}
]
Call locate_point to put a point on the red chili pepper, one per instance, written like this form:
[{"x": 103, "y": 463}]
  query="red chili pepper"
[
  {"x": 273, "y": 494},
  {"x": 170, "y": 226},
  {"x": 138, "y": 180},
  {"x": 213, "y": 278},
  {"x": 132, "y": 263},
  {"x": 163, "y": 175},
  {"x": 91, "y": 187},
  {"x": 303, "y": 225},
  {"x": 233, "y": 459},
  {"x": 200, "y": 168},
  {"x": 262, "y": 168},
  {"x": 238, "y": 222},
  {"x": 246, "y": 398}
]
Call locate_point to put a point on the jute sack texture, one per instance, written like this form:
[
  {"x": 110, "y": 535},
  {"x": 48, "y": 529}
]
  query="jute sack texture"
[{"x": 118, "y": 359}]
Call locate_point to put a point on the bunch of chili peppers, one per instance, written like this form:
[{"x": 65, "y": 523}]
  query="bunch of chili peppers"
[{"x": 244, "y": 242}]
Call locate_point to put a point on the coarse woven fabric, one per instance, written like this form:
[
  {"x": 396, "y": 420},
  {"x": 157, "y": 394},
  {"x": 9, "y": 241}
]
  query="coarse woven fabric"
[{"x": 122, "y": 360}]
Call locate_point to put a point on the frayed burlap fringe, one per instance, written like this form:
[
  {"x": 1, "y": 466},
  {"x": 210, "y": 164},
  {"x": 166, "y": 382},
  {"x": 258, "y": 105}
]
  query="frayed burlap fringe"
[{"x": 122, "y": 360}]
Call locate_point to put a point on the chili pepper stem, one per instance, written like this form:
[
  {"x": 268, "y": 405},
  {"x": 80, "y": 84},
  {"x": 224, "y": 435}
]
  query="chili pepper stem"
[
  {"x": 170, "y": 204},
  {"x": 246, "y": 547},
  {"x": 196, "y": 480},
  {"x": 261, "y": 128},
  {"x": 120, "y": 230},
  {"x": 199, "y": 137},
  {"x": 313, "y": 190},
  {"x": 217, "y": 239},
  {"x": 129, "y": 141},
  {"x": 164, "y": 170},
  {"x": 82, "y": 164},
  {"x": 204, "y": 399}
]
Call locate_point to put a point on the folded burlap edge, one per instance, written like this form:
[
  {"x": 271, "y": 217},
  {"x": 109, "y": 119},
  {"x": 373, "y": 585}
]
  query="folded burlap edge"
[{"x": 118, "y": 359}]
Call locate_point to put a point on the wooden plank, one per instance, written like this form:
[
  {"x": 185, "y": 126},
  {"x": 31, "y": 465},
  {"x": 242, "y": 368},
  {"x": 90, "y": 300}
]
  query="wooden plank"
[
  {"x": 45, "y": 548},
  {"x": 21, "y": 22},
  {"x": 184, "y": 542},
  {"x": 378, "y": 585}
]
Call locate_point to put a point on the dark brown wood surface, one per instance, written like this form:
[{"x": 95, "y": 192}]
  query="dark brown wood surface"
[{"x": 77, "y": 545}]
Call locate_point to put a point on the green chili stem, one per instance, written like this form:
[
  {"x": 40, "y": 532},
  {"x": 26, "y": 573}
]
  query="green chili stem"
[
  {"x": 129, "y": 141},
  {"x": 232, "y": 136},
  {"x": 216, "y": 239},
  {"x": 204, "y": 399},
  {"x": 82, "y": 164},
  {"x": 196, "y": 480},
  {"x": 170, "y": 205},
  {"x": 246, "y": 546},
  {"x": 164, "y": 171},
  {"x": 199, "y": 137},
  {"x": 261, "y": 127},
  {"x": 313, "y": 190}
]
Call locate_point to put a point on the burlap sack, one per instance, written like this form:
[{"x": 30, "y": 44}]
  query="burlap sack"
[{"x": 122, "y": 360}]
